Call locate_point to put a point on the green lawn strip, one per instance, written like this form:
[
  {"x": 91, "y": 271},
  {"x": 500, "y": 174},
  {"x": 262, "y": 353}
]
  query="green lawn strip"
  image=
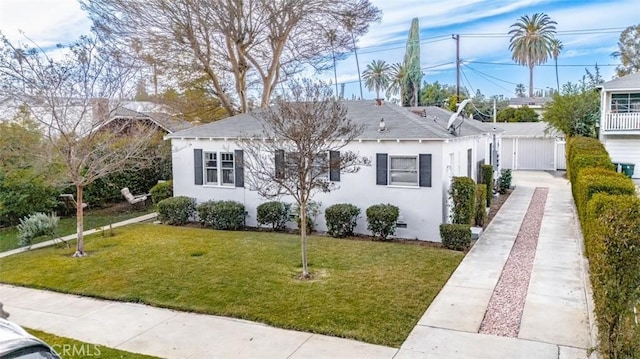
[
  {"x": 370, "y": 291},
  {"x": 71, "y": 348},
  {"x": 66, "y": 226}
]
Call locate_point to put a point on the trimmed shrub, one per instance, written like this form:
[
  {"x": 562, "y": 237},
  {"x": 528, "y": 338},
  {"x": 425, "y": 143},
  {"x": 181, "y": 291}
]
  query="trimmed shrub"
[
  {"x": 583, "y": 152},
  {"x": 481, "y": 209},
  {"x": 599, "y": 180},
  {"x": 505, "y": 180},
  {"x": 341, "y": 219},
  {"x": 313, "y": 210},
  {"x": 176, "y": 211},
  {"x": 36, "y": 225},
  {"x": 162, "y": 190},
  {"x": 487, "y": 179},
  {"x": 455, "y": 236},
  {"x": 224, "y": 215},
  {"x": 382, "y": 219},
  {"x": 613, "y": 247},
  {"x": 274, "y": 213},
  {"x": 463, "y": 196}
]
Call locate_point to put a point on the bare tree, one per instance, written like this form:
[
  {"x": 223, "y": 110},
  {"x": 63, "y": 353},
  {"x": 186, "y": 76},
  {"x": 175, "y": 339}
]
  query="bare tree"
[
  {"x": 235, "y": 43},
  {"x": 299, "y": 151},
  {"x": 71, "y": 98}
]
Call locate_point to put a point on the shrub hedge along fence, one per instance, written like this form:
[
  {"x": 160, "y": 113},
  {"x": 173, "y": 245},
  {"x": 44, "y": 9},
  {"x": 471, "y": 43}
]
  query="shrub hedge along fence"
[{"x": 609, "y": 212}]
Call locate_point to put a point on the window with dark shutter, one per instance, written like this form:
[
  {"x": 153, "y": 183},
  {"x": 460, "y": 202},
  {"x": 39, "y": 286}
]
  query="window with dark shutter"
[
  {"x": 334, "y": 166},
  {"x": 279, "y": 164},
  {"x": 239, "y": 164},
  {"x": 381, "y": 168},
  {"x": 425, "y": 170},
  {"x": 197, "y": 166}
]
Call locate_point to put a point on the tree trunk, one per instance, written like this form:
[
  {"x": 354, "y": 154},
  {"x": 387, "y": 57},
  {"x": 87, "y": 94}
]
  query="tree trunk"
[
  {"x": 303, "y": 237},
  {"x": 415, "y": 95},
  {"x": 355, "y": 51},
  {"x": 335, "y": 74},
  {"x": 530, "y": 80},
  {"x": 79, "y": 223},
  {"x": 557, "y": 78}
]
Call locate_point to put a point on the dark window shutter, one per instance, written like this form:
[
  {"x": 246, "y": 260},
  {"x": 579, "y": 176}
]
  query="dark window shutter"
[
  {"x": 279, "y": 164},
  {"x": 197, "y": 166},
  {"x": 425, "y": 170},
  {"x": 238, "y": 155},
  {"x": 334, "y": 166},
  {"x": 381, "y": 168}
]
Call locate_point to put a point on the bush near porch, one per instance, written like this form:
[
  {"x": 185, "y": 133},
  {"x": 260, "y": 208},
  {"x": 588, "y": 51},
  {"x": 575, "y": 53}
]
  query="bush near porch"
[{"x": 365, "y": 290}]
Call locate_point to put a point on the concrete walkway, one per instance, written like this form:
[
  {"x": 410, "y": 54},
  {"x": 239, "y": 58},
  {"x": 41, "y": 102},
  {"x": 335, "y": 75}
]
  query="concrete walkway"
[
  {"x": 171, "y": 334},
  {"x": 556, "y": 322},
  {"x": 146, "y": 217}
]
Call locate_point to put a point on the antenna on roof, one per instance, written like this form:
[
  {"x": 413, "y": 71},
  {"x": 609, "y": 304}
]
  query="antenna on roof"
[{"x": 455, "y": 115}]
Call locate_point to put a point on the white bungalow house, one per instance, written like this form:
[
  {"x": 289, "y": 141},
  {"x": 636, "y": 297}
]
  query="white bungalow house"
[
  {"x": 620, "y": 119},
  {"x": 412, "y": 162}
]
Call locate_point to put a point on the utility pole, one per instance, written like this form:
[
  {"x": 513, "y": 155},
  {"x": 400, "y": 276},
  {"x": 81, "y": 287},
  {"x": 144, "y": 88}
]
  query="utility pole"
[{"x": 457, "y": 38}]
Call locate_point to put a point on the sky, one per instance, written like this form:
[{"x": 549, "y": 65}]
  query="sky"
[{"x": 588, "y": 29}]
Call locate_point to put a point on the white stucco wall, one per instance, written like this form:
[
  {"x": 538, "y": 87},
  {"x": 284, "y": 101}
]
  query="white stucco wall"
[
  {"x": 624, "y": 149},
  {"x": 421, "y": 208}
]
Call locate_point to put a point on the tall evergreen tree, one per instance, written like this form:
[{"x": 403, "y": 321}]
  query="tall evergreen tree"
[{"x": 413, "y": 78}]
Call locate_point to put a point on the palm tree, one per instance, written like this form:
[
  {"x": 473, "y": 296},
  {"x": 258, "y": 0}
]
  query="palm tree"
[
  {"x": 332, "y": 37},
  {"x": 556, "y": 48},
  {"x": 397, "y": 77},
  {"x": 350, "y": 24},
  {"x": 376, "y": 76},
  {"x": 531, "y": 42}
]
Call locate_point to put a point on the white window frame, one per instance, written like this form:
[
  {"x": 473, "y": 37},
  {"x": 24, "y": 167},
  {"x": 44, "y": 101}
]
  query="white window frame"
[
  {"x": 219, "y": 168},
  {"x": 628, "y": 107},
  {"x": 416, "y": 171},
  {"x": 206, "y": 167},
  {"x": 231, "y": 169}
]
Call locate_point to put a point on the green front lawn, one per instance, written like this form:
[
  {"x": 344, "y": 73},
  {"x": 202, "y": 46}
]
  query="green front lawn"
[
  {"x": 370, "y": 291},
  {"x": 71, "y": 348},
  {"x": 92, "y": 218}
]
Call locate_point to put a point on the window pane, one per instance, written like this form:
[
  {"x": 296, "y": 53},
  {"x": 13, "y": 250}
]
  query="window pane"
[
  {"x": 212, "y": 175},
  {"x": 403, "y": 163},
  {"x": 227, "y": 176},
  {"x": 404, "y": 177}
]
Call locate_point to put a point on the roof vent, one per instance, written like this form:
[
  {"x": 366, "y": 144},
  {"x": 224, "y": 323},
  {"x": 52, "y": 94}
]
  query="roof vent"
[{"x": 382, "y": 126}]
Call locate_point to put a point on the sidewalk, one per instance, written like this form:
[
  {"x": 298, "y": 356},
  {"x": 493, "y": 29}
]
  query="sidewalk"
[
  {"x": 556, "y": 319},
  {"x": 51, "y": 242},
  {"x": 171, "y": 334}
]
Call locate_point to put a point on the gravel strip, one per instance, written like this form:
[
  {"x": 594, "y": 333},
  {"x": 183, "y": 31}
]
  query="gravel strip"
[{"x": 505, "y": 308}]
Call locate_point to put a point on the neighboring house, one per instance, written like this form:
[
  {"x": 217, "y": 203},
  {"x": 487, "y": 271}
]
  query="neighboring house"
[
  {"x": 534, "y": 103},
  {"x": 620, "y": 119},
  {"x": 412, "y": 162},
  {"x": 531, "y": 146}
]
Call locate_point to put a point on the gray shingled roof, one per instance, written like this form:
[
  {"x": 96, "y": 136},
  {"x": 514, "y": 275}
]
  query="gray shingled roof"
[
  {"x": 529, "y": 101},
  {"x": 628, "y": 82},
  {"x": 526, "y": 129},
  {"x": 400, "y": 124},
  {"x": 167, "y": 121}
]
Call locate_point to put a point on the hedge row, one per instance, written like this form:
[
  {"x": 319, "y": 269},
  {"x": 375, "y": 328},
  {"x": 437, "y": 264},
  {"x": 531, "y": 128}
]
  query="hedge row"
[
  {"x": 609, "y": 212},
  {"x": 341, "y": 218}
]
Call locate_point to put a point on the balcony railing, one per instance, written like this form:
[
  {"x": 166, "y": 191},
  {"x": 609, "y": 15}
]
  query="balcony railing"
[{"x": 622, "y": 121}]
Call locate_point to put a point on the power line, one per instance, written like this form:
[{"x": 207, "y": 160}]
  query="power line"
[
  {"x": 543, "y": 65},
  {"x": 487, "y": 77}
]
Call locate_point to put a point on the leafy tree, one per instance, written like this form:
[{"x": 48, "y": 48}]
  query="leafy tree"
[
  {"x": 376, "y": 76},
  {"x": 25, "y": 185},
  {"x": 236, "y": 44},
  {"x": 520, "y": 114},
  {"x": 314, "y": 124},
  {"x": 72, "y": 106},
  {"x": 628, "y": 51},
  {"x": 530, "y": 42},
  {"x": 520, "y": 90},
  {"x": 436, "y": 94},
  {"x": 556, "y": 48},
  {"x": 575, "y": 111},
  {"x": 413, "y": 70}
]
